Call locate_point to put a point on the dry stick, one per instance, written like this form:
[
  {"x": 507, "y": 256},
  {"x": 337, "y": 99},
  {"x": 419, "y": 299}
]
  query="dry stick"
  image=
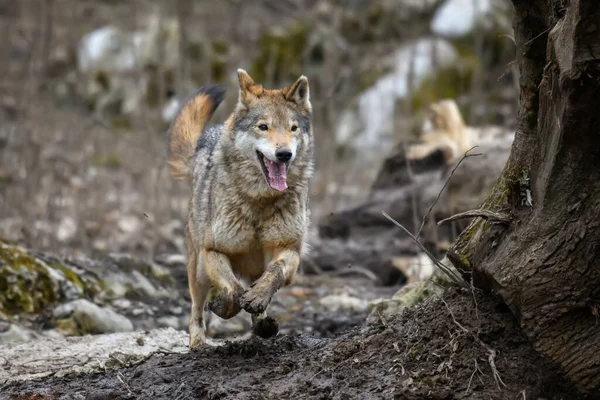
[
  {"x": 465, "y": 156},
  {"x": 491, "y": 352},
  {"x": 485, "y": 214},
  {"x": 456, "y": 279}
]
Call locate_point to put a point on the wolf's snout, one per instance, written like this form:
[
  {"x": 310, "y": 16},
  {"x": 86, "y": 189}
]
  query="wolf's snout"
[{"x": 283, "y": 155}]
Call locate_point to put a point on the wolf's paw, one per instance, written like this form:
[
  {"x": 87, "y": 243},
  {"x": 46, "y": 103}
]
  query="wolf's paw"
[
  {"x": 255, "y": 300},
  {"x": 265, "y": 327},
  {"x": 227, "y": 304}
]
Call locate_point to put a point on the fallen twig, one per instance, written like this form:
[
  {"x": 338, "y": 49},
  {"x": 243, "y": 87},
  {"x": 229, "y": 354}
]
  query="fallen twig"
[
  {"x": 465, "y": 156},
  {"x": 121, "y": 379},
  {"x": 485, "y": 214},
  {"x": 453, "y": 277}
]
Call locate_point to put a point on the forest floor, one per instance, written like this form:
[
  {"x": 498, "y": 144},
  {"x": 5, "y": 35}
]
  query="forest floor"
[{"x": 462, "y": 345}]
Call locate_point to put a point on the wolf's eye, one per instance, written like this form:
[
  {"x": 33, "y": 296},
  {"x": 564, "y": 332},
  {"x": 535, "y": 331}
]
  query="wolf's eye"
[
  {"x": 263, "y": 127},
  {"x": 294, "y": 128}
]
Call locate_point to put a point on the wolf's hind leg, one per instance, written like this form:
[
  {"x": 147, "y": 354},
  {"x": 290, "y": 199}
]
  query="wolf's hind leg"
[
  {"x": 199, "y": 287},
  {"x": 280, "y": 271},
  {"x": 229, "y": 290}
]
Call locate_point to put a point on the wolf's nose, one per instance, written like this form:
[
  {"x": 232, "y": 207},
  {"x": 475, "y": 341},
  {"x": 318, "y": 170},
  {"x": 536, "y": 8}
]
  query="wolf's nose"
[{"x": 283, "y": 155}]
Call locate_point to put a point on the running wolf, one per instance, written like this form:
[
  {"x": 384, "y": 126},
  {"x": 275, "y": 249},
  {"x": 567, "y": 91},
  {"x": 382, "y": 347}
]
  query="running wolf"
[{"x": 248, "y": 212}]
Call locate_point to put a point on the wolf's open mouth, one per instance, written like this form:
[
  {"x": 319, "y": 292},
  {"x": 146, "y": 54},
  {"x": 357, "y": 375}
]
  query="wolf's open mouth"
[{"x": 275, "y": 172}]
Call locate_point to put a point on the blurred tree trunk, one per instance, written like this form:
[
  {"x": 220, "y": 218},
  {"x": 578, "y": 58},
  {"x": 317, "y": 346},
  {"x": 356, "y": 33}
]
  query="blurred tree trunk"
[{"x": 546, "y": 262}]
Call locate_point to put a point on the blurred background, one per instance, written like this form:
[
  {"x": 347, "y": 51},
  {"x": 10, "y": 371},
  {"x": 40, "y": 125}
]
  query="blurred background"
[{"x": 88, "y": 88}]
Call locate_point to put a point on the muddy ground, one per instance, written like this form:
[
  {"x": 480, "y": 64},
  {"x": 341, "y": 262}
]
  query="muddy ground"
[{"x": 462, "y": 346}]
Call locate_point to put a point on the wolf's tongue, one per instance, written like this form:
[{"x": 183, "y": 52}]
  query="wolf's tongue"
[{"x": 277, "y": 175}]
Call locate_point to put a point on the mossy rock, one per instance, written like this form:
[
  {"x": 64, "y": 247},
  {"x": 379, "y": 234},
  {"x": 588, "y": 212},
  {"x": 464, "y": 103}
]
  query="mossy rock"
[
  {"x": 283, "y": 52},
  {"x": 26, "y": 284},
  {"x": 30, "y": 285}
]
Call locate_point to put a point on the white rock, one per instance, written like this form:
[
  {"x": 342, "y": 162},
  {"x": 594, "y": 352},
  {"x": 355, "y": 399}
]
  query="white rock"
[
  {"x": 67, "y": 228},
  {"x": 16, "y": 334},
  {"x": 168, "y": 322},
  {"x": 336, "y": 303},
  {"x": 92, "y": 318},
  {"x": 122, "y": 303},
  {"x": 49, "y": 356},
  {"x": 170, "y": 109},
  {"x": 129, "y": 223}
]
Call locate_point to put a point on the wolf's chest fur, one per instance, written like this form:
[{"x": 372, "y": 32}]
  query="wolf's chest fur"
[{"x": 239, "y": 226}]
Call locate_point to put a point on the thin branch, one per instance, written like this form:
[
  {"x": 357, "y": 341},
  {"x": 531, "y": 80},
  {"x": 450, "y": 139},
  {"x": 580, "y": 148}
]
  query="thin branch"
[
  {"x": 465, "y": 156},
  {"x": 485, "y": 214},
  {"x": 529, "y": 41},
  {"x": 453, "y": 277}
]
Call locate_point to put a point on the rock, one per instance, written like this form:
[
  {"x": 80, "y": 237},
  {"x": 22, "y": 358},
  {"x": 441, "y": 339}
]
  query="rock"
[
  {"x": 49, "y": 356},
  {"x": 218, "y": 327},
  {"x": 67, "y": 228},
  {"x": 335, "y": 303},
  {"x": 411, "y": 294},
  {"x": 109, "y": 56},
  {"x": 177, "y": 310},
  {"x": 122, "y": 303},
  {"x": 170, "y": 109},
  {"x": 90, "y": 318},
  {"x": 169, "y": 321},
  {"x": 143, "y": 287},
  {"x": 17, "y": 334},
  {"x": 32, "y": 283},
  {"x": 129, "y": 224}
]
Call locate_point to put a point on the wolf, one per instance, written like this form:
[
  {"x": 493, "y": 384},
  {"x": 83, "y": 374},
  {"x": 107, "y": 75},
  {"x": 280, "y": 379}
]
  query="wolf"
[
  {"x": 248, "y": 212},
  {"x": 448, "y": 133}
]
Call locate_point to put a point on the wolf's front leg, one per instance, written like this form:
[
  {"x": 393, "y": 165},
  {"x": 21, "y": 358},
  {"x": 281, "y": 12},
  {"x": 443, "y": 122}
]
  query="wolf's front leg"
[
  {"x": 229, "y": 290},
  {"x": 280, "y": 271}
]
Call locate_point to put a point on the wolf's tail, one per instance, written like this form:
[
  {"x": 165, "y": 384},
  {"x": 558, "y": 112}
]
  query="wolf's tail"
[{"x": 188, "y": 125}]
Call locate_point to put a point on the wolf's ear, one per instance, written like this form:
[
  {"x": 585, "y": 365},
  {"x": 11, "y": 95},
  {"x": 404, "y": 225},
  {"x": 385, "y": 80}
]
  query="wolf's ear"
[
  {"x": 299, "y": 93},
  {"x": 246, "y": 83}
]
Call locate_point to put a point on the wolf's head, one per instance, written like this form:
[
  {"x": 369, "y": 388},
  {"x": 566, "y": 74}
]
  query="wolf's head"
[{"x": 272, "y": 129}]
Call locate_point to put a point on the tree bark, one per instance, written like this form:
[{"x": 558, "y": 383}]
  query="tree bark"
[{"x": 546, "y": 263}]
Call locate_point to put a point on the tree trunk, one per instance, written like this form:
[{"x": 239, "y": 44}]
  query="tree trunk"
[{"x": 545, "y": 264}]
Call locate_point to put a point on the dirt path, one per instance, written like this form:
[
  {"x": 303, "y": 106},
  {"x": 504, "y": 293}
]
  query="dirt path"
[{"x": 442, "y": 349}]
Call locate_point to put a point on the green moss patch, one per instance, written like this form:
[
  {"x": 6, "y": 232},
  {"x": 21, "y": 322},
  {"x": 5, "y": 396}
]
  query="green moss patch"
[
  {"x": 26, "y": 284},
  {"x": 29, "y": 285}
]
